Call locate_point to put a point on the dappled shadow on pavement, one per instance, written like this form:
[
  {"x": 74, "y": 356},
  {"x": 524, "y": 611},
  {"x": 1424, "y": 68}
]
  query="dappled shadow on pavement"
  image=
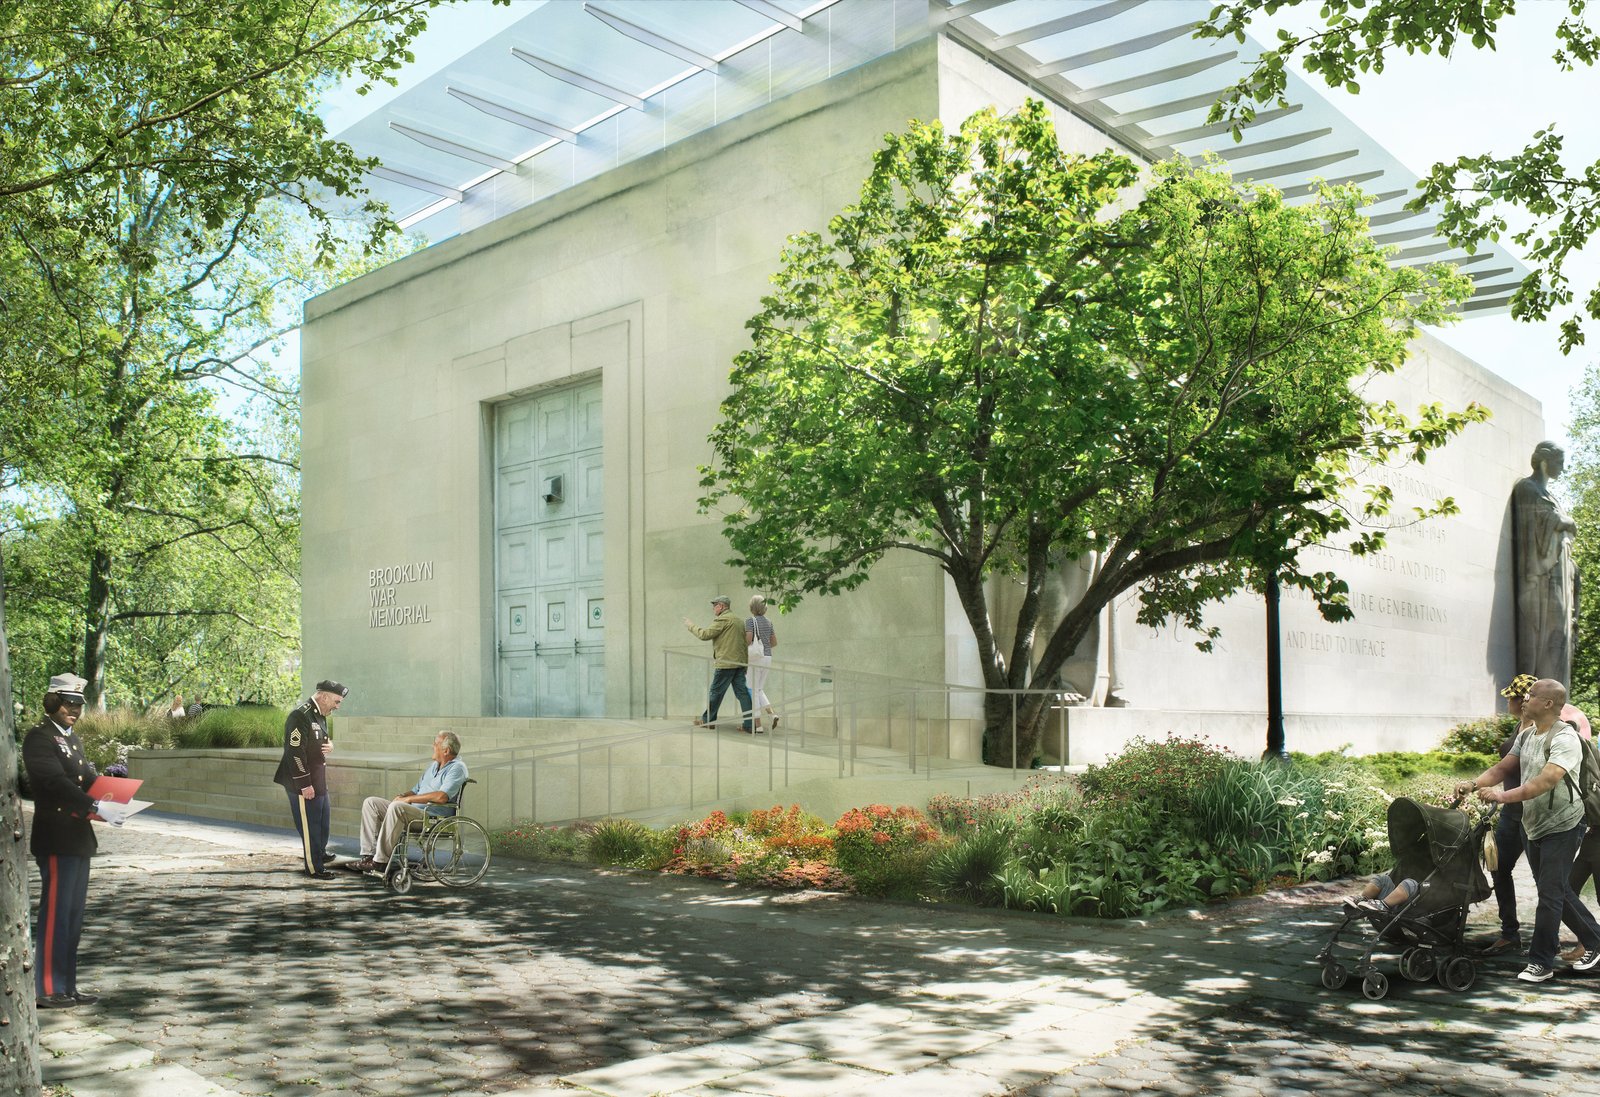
[{"x": 241, "y": 969}]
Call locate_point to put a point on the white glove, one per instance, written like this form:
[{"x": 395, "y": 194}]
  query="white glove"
[{"x": 112, "y": 812}]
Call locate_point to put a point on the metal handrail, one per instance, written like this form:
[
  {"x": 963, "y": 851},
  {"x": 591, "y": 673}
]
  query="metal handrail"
[{"x": 864, "y": 711}]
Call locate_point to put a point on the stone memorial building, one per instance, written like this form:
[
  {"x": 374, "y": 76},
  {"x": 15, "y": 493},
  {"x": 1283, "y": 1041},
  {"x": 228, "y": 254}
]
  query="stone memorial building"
[{"x": 503, "y": 431}]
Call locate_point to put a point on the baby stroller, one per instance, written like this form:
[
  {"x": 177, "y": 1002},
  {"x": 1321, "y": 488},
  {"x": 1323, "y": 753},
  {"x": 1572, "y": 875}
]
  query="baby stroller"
[{"x": 1437, "y": 847}]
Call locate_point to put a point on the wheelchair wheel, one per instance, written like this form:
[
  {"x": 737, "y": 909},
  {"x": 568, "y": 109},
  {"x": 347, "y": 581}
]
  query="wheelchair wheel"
[
  {"x": 457, "y": 853},
  {"x": 399, "y": 881}
]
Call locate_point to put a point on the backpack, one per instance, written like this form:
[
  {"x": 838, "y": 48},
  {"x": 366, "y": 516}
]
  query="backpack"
[{"x": 1587, "y": 787}]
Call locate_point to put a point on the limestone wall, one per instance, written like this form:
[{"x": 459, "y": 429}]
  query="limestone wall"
[{"x": 643, "y": 276}]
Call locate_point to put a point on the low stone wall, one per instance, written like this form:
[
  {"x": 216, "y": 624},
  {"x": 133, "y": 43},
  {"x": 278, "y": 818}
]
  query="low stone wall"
[{"x": 237, "y": 785}]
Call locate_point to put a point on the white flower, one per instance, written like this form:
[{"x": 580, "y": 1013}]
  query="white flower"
[{"x": 1290, "y": 802}]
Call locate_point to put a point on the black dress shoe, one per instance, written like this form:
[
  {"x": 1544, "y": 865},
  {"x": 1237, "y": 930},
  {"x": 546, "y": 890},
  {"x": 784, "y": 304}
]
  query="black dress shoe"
[
  {"x": 323, "y": 875},
  {"x": 85, "y": 999},
  {"x": 55, "y": 1001}
]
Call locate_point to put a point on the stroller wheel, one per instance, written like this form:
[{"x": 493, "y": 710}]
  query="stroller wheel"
[
  {"x": 1460, "y": 973},
  {"x": 1375, "y": 985},
  {"x": 1334, "y": 975},
  {"x": 1416, "y": 964}
]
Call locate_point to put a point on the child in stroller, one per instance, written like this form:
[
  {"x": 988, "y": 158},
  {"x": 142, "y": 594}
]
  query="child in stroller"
[
  {"x": 1419, "y": 909},
  {"x": 1382, "y": 895}
]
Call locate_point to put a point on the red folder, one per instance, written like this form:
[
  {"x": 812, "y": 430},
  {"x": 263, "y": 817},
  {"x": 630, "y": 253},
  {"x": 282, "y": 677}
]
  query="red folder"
[{"x": 119, "y": 790}]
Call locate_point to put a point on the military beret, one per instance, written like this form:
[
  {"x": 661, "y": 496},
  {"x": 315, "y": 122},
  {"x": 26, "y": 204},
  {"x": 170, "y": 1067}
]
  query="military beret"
[{"x": 328, "y": 685}]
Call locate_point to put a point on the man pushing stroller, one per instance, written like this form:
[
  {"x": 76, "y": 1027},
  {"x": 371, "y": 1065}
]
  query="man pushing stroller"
[{"x": 1552, "y": 823}]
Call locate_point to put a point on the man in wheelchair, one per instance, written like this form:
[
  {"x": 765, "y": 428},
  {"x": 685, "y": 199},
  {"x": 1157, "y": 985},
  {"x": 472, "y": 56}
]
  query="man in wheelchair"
[{"x": 383, "y": 822}]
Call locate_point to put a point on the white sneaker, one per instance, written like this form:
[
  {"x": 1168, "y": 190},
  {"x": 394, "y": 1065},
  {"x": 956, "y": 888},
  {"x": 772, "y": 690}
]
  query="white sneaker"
[
  {"x": 1589, "y": 960},
  {"x": 1535, "y": 973}
]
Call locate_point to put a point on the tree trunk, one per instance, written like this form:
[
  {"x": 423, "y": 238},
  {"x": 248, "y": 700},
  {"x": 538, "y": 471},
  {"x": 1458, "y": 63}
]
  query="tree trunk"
[
  {"x": 19, "y": 1023},
  {"x": 1012, "y": 727},
  {"x": 97, "y": 625}
]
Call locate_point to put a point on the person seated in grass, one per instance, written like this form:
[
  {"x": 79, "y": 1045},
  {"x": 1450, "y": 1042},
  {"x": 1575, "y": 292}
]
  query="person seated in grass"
[
  {"x": 384, "y": 822},
  {"x": 1382, "y": 895}
]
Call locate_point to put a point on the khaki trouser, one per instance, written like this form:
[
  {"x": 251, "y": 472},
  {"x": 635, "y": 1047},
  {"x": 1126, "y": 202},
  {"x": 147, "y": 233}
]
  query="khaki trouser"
[{"x": 383, "y": 822}]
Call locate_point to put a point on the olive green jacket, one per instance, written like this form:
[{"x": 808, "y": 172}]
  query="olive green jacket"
[{"x": 726, "y": 633}]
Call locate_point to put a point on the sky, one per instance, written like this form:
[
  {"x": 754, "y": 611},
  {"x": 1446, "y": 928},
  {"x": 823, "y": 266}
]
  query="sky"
[{"x": 1425, "y": 109}]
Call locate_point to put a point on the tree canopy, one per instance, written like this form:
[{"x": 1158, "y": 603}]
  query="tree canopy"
[
  {"x": 1352, "y": 38},
  {"x": 147, "y": 149},
  {"x": 1583, "y": 486},
  {"x": 1005, "y": 357}
]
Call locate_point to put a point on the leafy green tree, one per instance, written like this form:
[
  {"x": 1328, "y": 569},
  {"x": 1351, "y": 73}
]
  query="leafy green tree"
[
  {"x": 146, "y": 472},
  {"x": 214, "y": 104},
  {"x": 1003, "y": 358},
  {"x": 1583, "y": 487},
  {"x": 1352, "y": 38}
]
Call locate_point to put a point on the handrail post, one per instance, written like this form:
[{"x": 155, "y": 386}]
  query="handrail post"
[
  {"x": 608, "y": 780},
  {"x": 1013, "y": 736},
  {"x": 580, "y": 780},
  {"x": 913, "y": 751},
  {"x": 1063, "y": 735}
]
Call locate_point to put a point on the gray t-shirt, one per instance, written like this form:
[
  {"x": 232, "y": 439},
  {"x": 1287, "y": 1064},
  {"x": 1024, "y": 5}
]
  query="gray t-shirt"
[{"x": 1559, "y": 809}]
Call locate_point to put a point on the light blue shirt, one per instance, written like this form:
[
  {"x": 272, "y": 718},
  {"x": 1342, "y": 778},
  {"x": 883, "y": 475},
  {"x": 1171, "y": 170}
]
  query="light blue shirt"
[{"x": 448, "y": 780}]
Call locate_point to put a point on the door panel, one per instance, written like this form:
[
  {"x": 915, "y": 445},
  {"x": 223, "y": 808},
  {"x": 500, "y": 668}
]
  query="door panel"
[{"x": 550, "y": 554}]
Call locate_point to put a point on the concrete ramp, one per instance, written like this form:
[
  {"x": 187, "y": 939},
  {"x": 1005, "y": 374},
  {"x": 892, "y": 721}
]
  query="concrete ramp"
[{"x": 558, "y": 771}]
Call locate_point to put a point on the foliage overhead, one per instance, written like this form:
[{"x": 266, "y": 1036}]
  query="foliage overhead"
[
  {"x": 168, "y": 197},
  {"x": 1351, "y": 38},
  {"x": 1004, "y": 357},
  {"x": 1583, "y": 486},
  {"x": 219, "y": 95}
]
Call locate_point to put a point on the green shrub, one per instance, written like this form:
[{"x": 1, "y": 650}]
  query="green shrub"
[
  {"x": 108, "y": 736},
  {"x": 1393, "y": 768},
  {"x": 532, "y": 842},
  {"x": 232, "y": 727},
  {"x": 970, "y": 870},
  {"x": 1480, "y": 736},
  {"x": 884, "y": 850},
  {"x": 617, "y": 842},
  {"x": 1158, "y": 776}
]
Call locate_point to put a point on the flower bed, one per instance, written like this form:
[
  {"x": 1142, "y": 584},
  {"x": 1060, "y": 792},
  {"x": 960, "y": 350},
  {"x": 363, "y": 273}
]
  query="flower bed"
[{"x": 1174, "y": 823}]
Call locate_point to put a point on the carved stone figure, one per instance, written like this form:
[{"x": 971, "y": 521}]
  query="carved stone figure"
[{"x": 1546, "y": 579}]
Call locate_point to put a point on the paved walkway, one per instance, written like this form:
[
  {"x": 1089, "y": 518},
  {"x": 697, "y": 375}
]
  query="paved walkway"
[{"x": 225, "y": 972}]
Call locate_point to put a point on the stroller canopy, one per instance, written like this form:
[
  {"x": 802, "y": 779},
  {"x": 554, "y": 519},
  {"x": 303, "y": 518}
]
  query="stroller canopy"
[{"x": 1439, "y": 846}]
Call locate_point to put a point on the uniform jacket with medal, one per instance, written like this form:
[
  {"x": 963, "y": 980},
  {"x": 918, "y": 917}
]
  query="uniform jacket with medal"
[
  {"x": 302, "y": 764},
  {"x": 59, "y": 775}
]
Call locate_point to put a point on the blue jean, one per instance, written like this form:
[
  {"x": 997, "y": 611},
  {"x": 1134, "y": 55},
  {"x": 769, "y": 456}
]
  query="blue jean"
[
  {"x": 1588, "y": 863},
  {"x": 720, "y": 681},
  {"x": 1550, "y": 858},
  {"x": 1508, "y": 842}
]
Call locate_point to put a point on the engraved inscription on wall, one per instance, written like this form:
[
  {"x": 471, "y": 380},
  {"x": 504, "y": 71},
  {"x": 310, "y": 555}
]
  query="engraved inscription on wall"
[{"x": 394, "y": 596}]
